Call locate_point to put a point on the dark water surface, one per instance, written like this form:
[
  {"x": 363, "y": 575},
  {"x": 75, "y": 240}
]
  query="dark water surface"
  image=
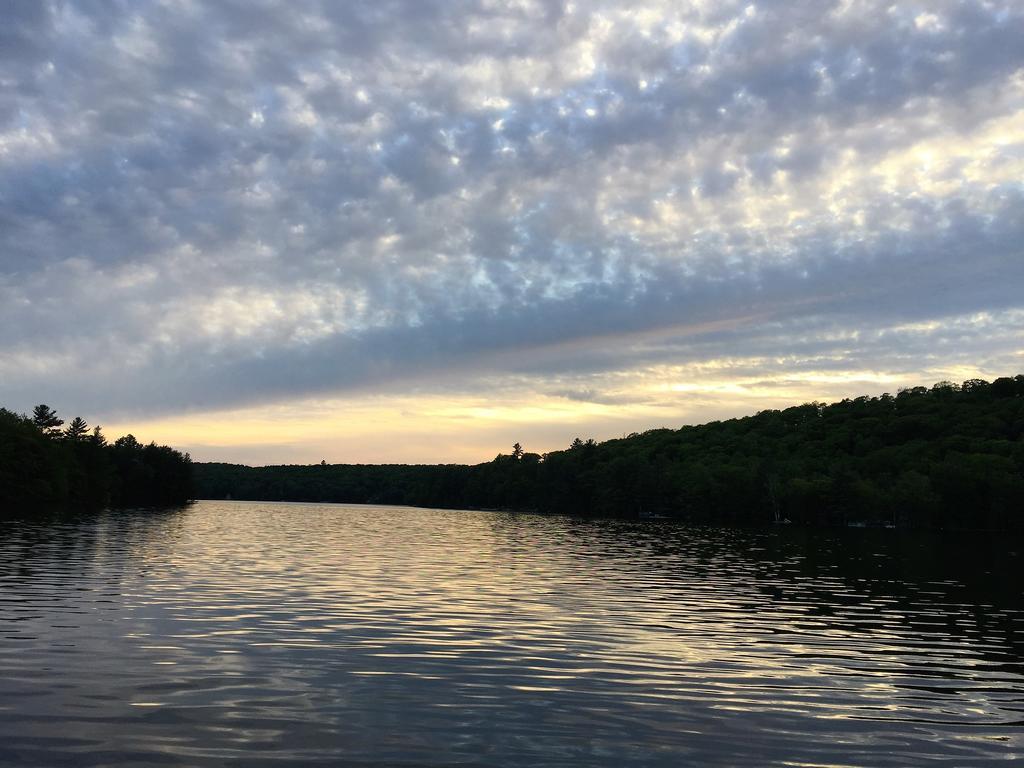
[{"x": 257, "y": 634}]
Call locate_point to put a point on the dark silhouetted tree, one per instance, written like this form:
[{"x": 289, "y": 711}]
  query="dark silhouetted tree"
[
  {"x": 81, "y": 471},
  {"x": 76, "y": 430},
  {"x": 127, "y": 442},
  {"x": 45, "y": 419}
]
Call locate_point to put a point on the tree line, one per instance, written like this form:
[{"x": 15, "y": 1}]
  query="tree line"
[
  {"x": 45, "y": 463},
  {"x": 948, "y": 456}
]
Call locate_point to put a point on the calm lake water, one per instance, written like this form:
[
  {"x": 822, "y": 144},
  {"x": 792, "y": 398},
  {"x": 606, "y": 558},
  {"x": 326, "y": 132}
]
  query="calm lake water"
[{"x": 260, "y": 634}]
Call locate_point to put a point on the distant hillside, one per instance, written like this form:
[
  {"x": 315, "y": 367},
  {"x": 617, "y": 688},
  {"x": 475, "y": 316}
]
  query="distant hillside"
[{"x": 951, "y": 456}]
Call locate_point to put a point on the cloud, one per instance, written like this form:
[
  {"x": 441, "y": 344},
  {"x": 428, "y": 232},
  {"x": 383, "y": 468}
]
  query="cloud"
[{"x": 206, "y": 206}]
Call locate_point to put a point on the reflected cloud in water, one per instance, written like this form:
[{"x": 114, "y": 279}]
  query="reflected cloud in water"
[{"x": 268, "y": 633}]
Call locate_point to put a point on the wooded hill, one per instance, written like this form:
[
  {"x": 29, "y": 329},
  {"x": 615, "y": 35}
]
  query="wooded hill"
[{"x": 949, "y": 456}]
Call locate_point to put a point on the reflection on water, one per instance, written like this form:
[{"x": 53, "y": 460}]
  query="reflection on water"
[{"x": 353, "y": 635}]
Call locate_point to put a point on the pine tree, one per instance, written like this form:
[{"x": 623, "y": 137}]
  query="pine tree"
[
  {"x": 97, "y": 438},
  {"x": 77, "y": 429},
  {"x": 46, "y": 421}
]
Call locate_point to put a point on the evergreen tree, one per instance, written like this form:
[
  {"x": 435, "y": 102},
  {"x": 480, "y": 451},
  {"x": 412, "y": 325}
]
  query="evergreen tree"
[
  {"x": 46, "y": 421},
  {"x": 76, "y": 430},
  {"x": 42, "y": 466}
]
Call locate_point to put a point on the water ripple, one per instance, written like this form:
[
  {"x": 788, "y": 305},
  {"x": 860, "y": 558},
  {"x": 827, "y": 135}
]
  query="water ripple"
[{"x": 267, "y": 634}]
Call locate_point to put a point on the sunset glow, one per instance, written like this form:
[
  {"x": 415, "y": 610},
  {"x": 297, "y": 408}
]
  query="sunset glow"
[{"x": 312, "y": 230}]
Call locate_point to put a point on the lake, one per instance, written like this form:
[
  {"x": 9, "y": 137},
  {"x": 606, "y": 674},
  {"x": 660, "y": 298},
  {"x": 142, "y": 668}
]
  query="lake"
[{"x": 263, "y": 634}]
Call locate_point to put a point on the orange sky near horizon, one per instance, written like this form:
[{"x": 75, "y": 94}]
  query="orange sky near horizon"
[{"x": 437, "y": 428}]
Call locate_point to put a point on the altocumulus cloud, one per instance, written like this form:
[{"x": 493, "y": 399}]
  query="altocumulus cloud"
[{"x": 211, "y": 205}]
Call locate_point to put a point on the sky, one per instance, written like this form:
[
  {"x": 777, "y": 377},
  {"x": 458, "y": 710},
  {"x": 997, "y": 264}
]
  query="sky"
[{"x": 422, "y": 230}]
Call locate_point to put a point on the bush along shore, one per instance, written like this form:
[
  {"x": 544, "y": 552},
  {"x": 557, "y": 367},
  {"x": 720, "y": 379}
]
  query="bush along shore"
[
  {"x": 946, "y": 456},
  {"x": 45, "y": 463}
]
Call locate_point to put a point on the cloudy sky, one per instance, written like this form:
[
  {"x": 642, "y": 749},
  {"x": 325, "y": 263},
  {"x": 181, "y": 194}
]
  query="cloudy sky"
[{"x": 420, "y": 230}]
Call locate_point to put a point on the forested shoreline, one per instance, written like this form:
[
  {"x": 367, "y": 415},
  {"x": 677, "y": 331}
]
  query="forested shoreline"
[
  {"x": 47, "y": 464},
  {"x": 948, "y": 456}
]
